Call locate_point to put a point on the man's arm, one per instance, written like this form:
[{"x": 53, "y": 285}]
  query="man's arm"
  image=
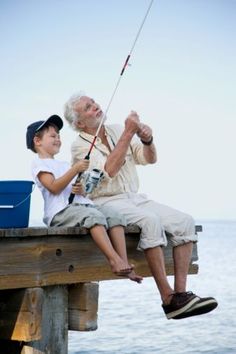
[
  {"x": 149, "y": 149},
  {"x": 117, "y": 157}
]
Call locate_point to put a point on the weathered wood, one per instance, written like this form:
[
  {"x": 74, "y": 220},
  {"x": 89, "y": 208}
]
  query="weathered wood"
[
  {"x": 36, "y": 257},
  {"x": 39, "y": 318},
  {"x": 54, "y": 338},
  {"x": 53, "y": 323},
  {"x": 21, "y": 314},
  {"x": 29, "y": 350},
  {"x": 83, "y": 306},
  {"x": 43, "y": 231}
]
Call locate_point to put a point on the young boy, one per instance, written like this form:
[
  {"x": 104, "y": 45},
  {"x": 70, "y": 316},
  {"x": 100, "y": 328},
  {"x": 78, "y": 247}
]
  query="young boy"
[{"x": 57, "y": 179}]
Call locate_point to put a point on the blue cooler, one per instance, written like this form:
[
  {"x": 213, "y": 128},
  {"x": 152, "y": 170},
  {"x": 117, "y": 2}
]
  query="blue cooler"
[{"x": 15, "y": 199}]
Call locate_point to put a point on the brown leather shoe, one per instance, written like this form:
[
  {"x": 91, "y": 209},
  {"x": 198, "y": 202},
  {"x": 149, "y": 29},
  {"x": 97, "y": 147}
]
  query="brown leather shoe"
[
  {"x": 180, "y": 303},
  {"x": 204, "y": 305}
]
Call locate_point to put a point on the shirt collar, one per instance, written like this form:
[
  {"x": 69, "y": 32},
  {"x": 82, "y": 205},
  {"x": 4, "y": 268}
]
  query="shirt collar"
[{"x": 98, "y": 143}]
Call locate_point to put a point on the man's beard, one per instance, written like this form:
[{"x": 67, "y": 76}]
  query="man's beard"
[{"x": 103, "y": 117}]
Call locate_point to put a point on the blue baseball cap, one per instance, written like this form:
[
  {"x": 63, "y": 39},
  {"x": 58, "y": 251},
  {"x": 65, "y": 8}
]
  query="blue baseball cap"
[{"x": 33, "y": 128}]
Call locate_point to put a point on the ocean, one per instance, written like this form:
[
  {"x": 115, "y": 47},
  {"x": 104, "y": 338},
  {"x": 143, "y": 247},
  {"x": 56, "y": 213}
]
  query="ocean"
[{"x": 131, "y": 320}]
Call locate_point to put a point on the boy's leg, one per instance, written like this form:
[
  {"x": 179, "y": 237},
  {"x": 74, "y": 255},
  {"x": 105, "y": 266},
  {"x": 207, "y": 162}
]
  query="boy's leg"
[
  {"x": 118, "y": 265},
  {"x": 117, "y": 238},
  {"x": 92, "y": 219}
]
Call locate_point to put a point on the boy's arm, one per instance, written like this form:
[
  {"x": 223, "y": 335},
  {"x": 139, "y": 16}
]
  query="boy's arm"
[{"x": 56, "y": 185}]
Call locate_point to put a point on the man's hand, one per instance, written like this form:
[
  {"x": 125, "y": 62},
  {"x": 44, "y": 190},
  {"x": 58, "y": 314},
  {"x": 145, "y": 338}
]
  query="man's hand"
[
  {"x": 132, "y": 123},
  {"x": 144, "y": 132}
]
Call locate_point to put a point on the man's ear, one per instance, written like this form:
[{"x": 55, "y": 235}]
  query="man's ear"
[{"x": 80, "y": 125}]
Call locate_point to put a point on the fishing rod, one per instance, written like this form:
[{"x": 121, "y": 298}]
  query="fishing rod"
[{"x": 72, "y": 195}]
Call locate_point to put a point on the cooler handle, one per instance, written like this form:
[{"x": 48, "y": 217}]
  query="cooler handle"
[{"x": 15, "y": 206}]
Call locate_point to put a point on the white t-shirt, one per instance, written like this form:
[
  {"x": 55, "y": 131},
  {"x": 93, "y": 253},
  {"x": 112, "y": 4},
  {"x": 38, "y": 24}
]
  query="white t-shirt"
[{"x": 53, "y": 203}]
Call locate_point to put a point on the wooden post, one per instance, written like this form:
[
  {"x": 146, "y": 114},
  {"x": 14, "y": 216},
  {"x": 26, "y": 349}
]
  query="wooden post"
[
  {"x": 21, "y": 314},
  {"x": 83, "y": 306},
  {"x": 53, "y": 323}
]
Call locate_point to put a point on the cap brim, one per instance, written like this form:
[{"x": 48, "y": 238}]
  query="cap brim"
[{"x": 54, "y": 120}]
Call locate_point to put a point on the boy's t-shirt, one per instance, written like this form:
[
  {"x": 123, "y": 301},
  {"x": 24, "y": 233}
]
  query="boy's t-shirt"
[{"x": 54, "y": 203}]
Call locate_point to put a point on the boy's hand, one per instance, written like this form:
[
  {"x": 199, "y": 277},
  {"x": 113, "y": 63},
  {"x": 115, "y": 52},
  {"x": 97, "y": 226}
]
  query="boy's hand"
[
  {"x": 82, "y": 165},
  {"x": 77, "y": 188}
]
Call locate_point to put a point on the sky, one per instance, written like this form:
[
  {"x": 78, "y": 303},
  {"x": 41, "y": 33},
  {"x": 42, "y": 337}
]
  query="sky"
[{"x": 181, "y": 81}]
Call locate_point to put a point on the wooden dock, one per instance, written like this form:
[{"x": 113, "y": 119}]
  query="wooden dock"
[{"x": 49, "y": 284}]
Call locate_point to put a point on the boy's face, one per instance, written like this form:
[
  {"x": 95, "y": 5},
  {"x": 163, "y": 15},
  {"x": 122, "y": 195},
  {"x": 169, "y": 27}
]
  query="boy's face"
[{"x": 48, "y": 143}]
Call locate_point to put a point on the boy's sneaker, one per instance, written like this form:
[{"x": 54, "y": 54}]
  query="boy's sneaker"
[
  {"x": 204, "y": 305},
  {"x": 180, "y": 303}
]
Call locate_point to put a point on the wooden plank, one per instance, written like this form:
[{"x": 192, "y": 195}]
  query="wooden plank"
[
  {"x": 35, "y": 257},
  {"x": 29, "y": 350},
  {"x": 83, "y": 306},
  {"x": 63, "y": 259},
  {"x": 21, "y": 311},
  {"x": 43, "y": 231}
]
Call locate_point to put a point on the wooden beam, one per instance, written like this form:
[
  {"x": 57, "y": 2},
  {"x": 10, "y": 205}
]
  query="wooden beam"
[
  {"x": 83, "y": 306},
  {"x": 21, "y": 314},
  {"x": 36, "y": 257}
]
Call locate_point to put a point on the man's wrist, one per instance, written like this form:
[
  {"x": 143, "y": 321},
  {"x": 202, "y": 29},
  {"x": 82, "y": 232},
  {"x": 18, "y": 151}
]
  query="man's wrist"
[{"x": 149, "y": 142}]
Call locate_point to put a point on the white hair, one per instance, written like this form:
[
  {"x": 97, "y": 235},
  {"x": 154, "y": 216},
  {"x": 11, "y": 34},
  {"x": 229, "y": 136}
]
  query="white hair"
[{"x": 70, "y": 114}]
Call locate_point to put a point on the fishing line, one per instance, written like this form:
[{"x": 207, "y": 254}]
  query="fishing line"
[{"x": 71, "y": 197}]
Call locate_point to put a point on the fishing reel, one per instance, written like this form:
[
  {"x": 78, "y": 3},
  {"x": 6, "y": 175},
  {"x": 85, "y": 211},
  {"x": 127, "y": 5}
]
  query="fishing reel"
[{"x": 90, "y": 179}]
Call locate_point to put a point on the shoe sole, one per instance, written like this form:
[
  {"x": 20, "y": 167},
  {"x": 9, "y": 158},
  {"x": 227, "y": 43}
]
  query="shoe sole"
[
  {"x": 178, "y": 312},
  {"x": 198, "y": 309}
]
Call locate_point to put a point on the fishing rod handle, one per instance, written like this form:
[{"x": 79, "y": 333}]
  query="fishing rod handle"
[{"x": 72, "y": 195}]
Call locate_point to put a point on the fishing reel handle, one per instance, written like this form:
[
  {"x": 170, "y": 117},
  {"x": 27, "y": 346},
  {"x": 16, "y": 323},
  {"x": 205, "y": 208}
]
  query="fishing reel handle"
[{"x": 72, "y": 195}]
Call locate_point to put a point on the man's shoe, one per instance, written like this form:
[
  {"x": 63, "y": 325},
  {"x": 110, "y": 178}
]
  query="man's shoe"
[
  {"x": 180, "y": 303},
  {"x": 204, "y": 305}
]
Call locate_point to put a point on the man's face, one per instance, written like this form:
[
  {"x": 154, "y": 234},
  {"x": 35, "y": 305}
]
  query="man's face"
[{"x": 90, "y": 113}]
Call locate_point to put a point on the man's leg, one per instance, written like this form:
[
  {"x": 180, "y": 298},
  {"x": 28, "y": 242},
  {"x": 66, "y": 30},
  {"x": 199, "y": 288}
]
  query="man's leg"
[
  {"x": 182, "y": 256},
  {"x": 152, "y": 218},
  {"x": 156, "y": 263},
  {"x": 174, "y": 304}
]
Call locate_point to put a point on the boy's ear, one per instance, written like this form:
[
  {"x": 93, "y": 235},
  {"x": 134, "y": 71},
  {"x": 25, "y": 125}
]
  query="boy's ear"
[{"x": 36, "y": 141}]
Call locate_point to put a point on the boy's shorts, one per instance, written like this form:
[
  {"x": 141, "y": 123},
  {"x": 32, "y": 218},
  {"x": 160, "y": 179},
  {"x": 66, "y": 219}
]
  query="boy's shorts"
[{"x": 88, "y": 215}]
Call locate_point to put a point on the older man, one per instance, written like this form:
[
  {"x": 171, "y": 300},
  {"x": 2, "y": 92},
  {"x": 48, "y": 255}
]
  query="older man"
[{"x": 116, "y": 152}]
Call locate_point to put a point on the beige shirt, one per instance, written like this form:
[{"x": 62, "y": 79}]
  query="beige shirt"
[{"x": 127, "y": 179}]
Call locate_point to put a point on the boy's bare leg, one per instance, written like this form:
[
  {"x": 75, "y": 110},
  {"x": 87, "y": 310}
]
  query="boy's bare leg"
[
  {"x": 118, "y": 265},
  {"x": 182, "y": 256},
  {"x": 117, "y": 238},
  {"x": 156, "y": 262}
]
